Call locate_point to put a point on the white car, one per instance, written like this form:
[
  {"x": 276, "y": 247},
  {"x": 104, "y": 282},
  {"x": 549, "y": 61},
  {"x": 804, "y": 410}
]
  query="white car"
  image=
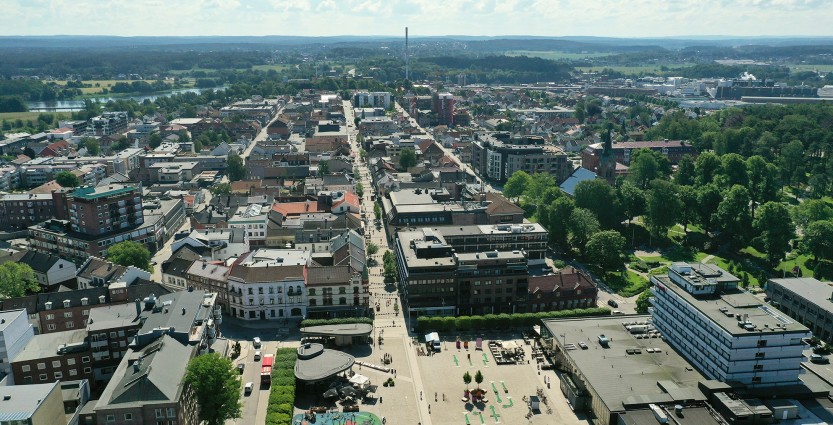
[
  {"x": 247, "y": 389},
  {"x": 256, "y": 342},
  {"x": 257, "y": 355}
]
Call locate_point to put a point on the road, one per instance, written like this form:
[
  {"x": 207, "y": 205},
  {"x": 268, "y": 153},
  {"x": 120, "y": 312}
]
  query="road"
[
  {"x": 165, "y": 253},
  {"x": 254, "y": 404},
  {"x": 260, "y": 136}
]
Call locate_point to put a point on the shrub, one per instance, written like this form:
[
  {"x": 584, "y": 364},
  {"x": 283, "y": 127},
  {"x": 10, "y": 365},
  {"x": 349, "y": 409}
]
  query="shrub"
[{"x": 491, "y": 321}]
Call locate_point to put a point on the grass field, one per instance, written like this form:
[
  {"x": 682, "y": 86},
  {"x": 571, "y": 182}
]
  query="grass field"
[
  {"x": 276, "y": 67},
  {"x": 635, "y": 70},
  {"x": 553, "y": 55},
  {"x": 11, "y": 116},
  {"x": 810, "y": 67},
  {"x": 107, "y": 84}
]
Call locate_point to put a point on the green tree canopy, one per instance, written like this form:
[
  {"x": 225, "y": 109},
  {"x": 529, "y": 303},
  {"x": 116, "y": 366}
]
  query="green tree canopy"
[
  {"x": 686, "y": 173},
  {"x": 764, "y": 182},
  {"x": 688, "y": 206},
  {"x": 708, "y": 199},
  {"x": 734, "y": 168},
  {"x": 706, "y": 168},
  {"x": 467, "y": 379},
  {"x": 559, "y": 213},
  {"x": 516, "y": 184},
  {"x": 407, "y": 158},
  {"x": 582, "y": 224},
  {"x": 221, "y": 189},
  {"x": 811, "y": 210},
  {"x": 154, "y": 140},
  {"x": 643, "y": 301},
  {"x": 600, "y": 198},
  {"x": 216, "y": 387},
  {"x": 663, "y": 207},
  {"x": 235, "y": 169},
  {"x": 323, "y": 168},
  {"x": 67, "y": 179},
  {"x": 17, "y": 279},
  {"x": 92, "y": 145},
  {"x": 129, "y": 253},
  {"x": 733, "y": 216},
  {"x": 478, "y": 377},
  {"x": 775, "y": 229},
  {"x": 818, "y": 240},
  {"x": 605, "y": 250},
  {"x": 647, "y": 165},
  {"x": 632, "y": 200}
]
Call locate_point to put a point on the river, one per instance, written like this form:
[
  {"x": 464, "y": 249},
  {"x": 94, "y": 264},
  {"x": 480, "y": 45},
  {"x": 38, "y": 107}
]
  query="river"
[{"x": 77, "y": 105}]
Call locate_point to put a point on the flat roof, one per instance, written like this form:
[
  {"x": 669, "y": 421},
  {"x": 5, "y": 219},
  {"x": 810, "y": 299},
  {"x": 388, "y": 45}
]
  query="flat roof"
[
  {"x": 46, "y": 345},
  {"x": 8, "y": 316},
  {"x": 692, "y": 416},
  {"x": 620, "y": 378},
  {"x": 315, "y": 363},
  {"x": 719, "y": 307},
  {"x": 813, "y": 290},
  {"x": 404, "y": 240},
  {"x": 112, "y": 316},
  {"x": 353, "y": 329},
  {"x": 24, "y": 400}
]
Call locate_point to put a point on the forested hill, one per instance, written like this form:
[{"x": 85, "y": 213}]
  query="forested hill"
[{"x": 519, "y": 69}]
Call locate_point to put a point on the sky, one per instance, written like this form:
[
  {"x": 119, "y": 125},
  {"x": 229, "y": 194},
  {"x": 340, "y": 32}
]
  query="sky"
[{"x": 610, "y": 18}]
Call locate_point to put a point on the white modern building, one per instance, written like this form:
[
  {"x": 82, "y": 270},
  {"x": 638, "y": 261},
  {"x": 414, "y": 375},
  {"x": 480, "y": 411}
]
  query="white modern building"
[
  {"x": 253, "y": 218},
  {"x": 15, "y": 333},
  {"x": 727, "y": 333},
  {"x": 371, "y": 100},
  {"x": 268, "y": 284}
]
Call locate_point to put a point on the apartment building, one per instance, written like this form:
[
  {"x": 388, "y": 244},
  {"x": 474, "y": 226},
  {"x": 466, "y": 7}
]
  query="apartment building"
[
  {"x": 98, "y": 210},
  {"x": 107, "y": 124},
  {"x": 565, "y": 289},
  {"x": 728, "y": 334},
  {"x": 365, "y": 99},
  {"x": 15, "y": 333},
  {"x": 337, "y": 284},
  {"x": 674, "y": 150},
  {"x": 268, "y": 284},
  {"x": 54, "y": 357},
  {"x": 21, "y": 210},
  {"x": 496, "y": 156}
]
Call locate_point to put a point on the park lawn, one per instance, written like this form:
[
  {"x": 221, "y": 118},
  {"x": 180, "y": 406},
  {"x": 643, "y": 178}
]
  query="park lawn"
[
  {"x": 108, "y": 84},
  {"x": 272, "y": 67},
  {"x": 634, "y": 70},
  {"x": 810, "y": 67},
  {"x": 626, "y": 285},
  {"x": 555, "y": 55},
  {"x": 793, "y": 260},
  {"x": 33, "y": 116}
]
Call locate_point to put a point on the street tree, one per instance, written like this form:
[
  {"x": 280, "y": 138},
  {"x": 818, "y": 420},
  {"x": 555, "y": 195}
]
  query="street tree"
[
  {"x": 517, "y": 184},
  {"x": 467, "y": 379},
  {"x": 377, "y": 210},
  {"x": 643, "y": 301},
  {"x": 790, "y": 160},
  {"x": 360, "y": 190},
  {"x": 604, "y": 249},
  {"x": 407, "y": 158},
  {"x": 734, "y": 168},
  {"x": 220, "y": 189},
  {"x": 559, "y": 213},
  {"x": 216, "y": 386},
  {"x": 733, "y": 217},
  {"x": 129, "y": 253},
  {"x": 663, "y": 207},
  {"x": 478, "y": 378},
  {"x": 92, "y": 145},
  {"x": 582, "y": 225},
  {"x": 323, "y": 168},
  {"x": 686, "y": 173},
  {"x": 775, "y": 229},
  {"x": 372, "y": 248},
  {"x": 154, "y": 140},
  {"x": 818, "y": 240},
  {"x": 708, "y": 199},
  {"x": 600, "y": 198},
  {"x": 763, "y": 181},
  {"x": 17, "y": 279},
  {"x": 67, "y": 179},
  {"x": 235, "y": 169}
]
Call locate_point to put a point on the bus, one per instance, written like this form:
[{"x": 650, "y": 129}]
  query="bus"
[{"x": 266, "y": 369}]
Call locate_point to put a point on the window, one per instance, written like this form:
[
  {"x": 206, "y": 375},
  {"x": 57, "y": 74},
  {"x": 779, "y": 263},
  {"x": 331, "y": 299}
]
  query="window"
[
  {"x": 41, "y": 366},
  {"x": 25, "y": 368},
  {"x": 50, "y": 327},
  {"x": 70, "y": 362},
  {"x": 758, "y": 367},
  {"x": 128, "y": 416},
  {"x": 56, "y": 363},
  {"x": 761, "y": 343},
  {"x": 159, "y": 414},
  {"x": 69, "y": 325},
  {"x": 760, "y": 355},
  {"x": 59, "y": 375},
  {"x": 50, "y": 317},
  {"x": 85, "y": 359},
  {"x": 756, "y": 380},
  {"x": 111, "y": 418},
  {"x": 171, "y": 412},
  {"x": 67, "y": 314},
  {"x": 88, "y": 370},
  {"x": 112, "y": 335},
  {"x": 73, "y": 372},
  {"x": 42, "y": 377}
]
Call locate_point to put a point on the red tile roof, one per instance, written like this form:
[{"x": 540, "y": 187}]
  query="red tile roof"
[{"x": 287, "y": 209}]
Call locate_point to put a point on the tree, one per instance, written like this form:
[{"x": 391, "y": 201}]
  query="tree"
[
  {"x": 216, "y": 386},
  {"x": 600, "y": 198},
  {"x": 467, "y": 379},
  {"x": 643, "y": 301},
  {"x": 92, "y": 145},
  {"x": 734, "y": 168},
  {"x": 129, "y": 253},
  {"x": 810, "y": 211},
  {"x": 647, "y": 165},
  {"x": 775, "y": 229},
  {"x": 377, "y": 210},
  {"x": 763, "y": 182},
  {"x": 632, "y": 200},
  {"x": 580, "y": 112},
  {"x": 582, "y": 225},
  {"x": 605, "y": 250},
  {"x": 706, "y": 168},
  {"x": 516, "y": 184},
  {"x": 733, "y": 217},
  {"x": 708, "y": 199},
  {"x": 478, "y": 377},
  {"x": 360, "y": 190},
  {"x": 407, "y": 158},
  {"x": 154, "y": 140},
  {"x": 67, "y": 179},
  {"x": 686, "y": 174},
  {"x": 372, "y": 248},
  {"x": 323, "y": 168},
  {"x": 559, "y": 213},
  {"x": 663, "y": 207},
  {"x": 818, "y": 240},
  {"x": 791, "y": 159},
  {"x": 220, "y": 189},
  {"x": 120, "y": 144},
  {"x": 235, "y": 169},
  {"x": 17, "y": 279}
]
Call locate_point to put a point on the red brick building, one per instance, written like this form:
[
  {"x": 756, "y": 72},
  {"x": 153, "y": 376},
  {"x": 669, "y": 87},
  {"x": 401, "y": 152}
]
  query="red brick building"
[
  {"x": 566, "y": 289},
  {"x": 674, "y": 150}
]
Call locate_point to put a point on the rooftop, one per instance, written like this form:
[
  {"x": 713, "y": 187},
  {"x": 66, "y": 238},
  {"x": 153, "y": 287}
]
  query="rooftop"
[
  {"x": 622, "y": 379},
  {"x": 46, "y": 345},
  {"x": 90, "y": 193},
  {"x": 8, "y": 316},
  {"x": 111, "y": 316},
  {"x": 23, "y": 401},
  {"x": 315, "y": 363},
  {"x": 810, "y": 289}
]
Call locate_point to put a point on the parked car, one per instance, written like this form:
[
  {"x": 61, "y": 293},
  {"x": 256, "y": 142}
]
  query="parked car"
[
  {"x": 613, "y": 303},
  {"x": 256, "y": 342},
  {"x": 258, "y": 354},
  {"x": 582, "y": 345},
  {"x": 247, "y": 389},
  {"x": 240, "y": 367},
  {"x": 818, "y": 358}
]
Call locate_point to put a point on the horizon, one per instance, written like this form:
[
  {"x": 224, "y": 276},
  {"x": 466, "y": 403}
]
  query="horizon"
[{"x": 426, "y": 18}]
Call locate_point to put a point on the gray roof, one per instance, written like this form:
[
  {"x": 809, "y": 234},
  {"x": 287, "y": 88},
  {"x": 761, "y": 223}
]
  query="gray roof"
[
  {"x": 111, "y": 316},
  {"x": 315, "y": 363},
  {"x": 8, "y": 316},
  {"x": 690, "y": 416},
  {"x": 579, "y": 175},
  {"x": 46, "y": 345},
  {"x": 158, "y": 378},
  {"x": 620, "y": 378},
  {"x": 811, "y": 289},
  {"x": 39, "y": 261},
  {"x": 24, "y": 400},
  {"x": 353, "y": 329}
]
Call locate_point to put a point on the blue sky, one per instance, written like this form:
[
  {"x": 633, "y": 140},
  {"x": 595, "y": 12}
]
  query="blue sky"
[{"x": 617, "y": 18}]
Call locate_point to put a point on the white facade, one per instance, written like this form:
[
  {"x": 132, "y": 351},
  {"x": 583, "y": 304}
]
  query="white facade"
[
  {"x": 728, "y": 334},
  {"x": 372, "y": 100},
  {"x": 268, "y": 284},
  {"x": 15, "y": 333},
  {"x": 253, "y": 219}
]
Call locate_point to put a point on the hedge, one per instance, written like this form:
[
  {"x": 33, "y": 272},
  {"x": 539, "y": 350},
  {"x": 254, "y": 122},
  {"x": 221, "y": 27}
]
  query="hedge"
[
  {"x": 282, "y": 393},
  {"x": 501, "y": 321},
  {"x": 341, "y": 321}
]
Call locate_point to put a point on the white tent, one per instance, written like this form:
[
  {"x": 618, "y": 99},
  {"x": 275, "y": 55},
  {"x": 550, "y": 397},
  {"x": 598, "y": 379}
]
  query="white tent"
[{"x": 360, "y": 381}]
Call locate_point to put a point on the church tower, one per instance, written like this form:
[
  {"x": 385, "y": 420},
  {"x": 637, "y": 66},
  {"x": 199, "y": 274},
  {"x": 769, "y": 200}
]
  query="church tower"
[{"x": 607, "y": 162}]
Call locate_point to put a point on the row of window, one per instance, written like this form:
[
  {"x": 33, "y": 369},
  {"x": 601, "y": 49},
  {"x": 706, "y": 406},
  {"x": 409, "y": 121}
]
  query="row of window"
[
  {"x": 57, "y": 375},
  {"x": 169, "y": 412}
]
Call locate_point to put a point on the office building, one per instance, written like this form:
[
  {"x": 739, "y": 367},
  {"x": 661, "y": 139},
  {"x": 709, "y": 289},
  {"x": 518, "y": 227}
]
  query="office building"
[
  {"x": 806, "y": 300},
  {"x": 728, "y": 334},
  {"x": 365, "y": 99},
  {"x": 496, "y": 156}
]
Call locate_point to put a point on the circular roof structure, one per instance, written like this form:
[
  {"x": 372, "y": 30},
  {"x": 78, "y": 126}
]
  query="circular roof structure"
[
  {"x": 315, "y": 363},
  {"x": 351, "y": 329}
]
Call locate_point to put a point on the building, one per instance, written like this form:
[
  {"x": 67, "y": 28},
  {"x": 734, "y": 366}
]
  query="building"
[
  {"x": 57, "y": 237},
  {"x": 107, "y": 124},
  {"x": 215, "y": 244},
  {"x": 15, "y": 333},
  {"x": 529, "y": 238},
  {"x": 21, "y": 210},
  {"x": 336, "y": 279},
  {"x": 251, "y": 218},
  {"x": 806, "y": 300},
  {"x": 434, "y": 207},
  {"x": 674, "y": 150},
  {"x": 54, "y": 357},
  {"x": 41, "y": 404},
  {"x": 50, "y": 270},
  {"x": 442, "y": 106},
  {"x": 210, "y": 277},
  {"x": 268, "y": 284},
  {"x": 726, "y": 333},
  {"x": 99, "y": 210},
  {"x": 497, "y": 156},
  {"x": 619, "y": 370},
  {"x": 365, "y": 99},
  {"x": 100, "y": 272},
  {"x": 565, "y": 289}
]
